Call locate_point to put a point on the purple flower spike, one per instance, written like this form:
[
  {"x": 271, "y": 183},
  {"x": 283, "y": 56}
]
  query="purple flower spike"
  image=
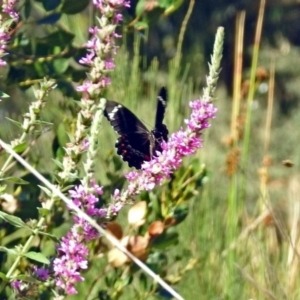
[
  {"x": 181, "y": 143},
  {"x": 101, "y": 46},
  {"x": 72, "y": 251}
]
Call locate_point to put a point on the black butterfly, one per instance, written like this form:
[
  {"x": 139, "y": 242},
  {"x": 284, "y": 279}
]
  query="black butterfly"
[{"x": 136, "y": 143}]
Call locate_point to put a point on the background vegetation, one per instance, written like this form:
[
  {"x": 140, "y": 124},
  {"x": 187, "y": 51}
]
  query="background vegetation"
[{"x": 240, "y": 237}]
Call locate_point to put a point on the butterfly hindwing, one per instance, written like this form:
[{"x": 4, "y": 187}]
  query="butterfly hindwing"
[
  {"x": 160, "y": 131},
  {"x": 134, "y": 153},
  {"x": 136, "y": 143},
  {"x": 161, "y": 107}
]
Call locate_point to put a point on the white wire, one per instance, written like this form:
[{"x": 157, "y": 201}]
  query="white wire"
[{"x": 82, "y": 214}]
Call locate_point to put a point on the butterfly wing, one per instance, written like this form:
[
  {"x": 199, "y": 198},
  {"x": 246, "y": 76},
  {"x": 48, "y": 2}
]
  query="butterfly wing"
[
  {"x": 122, "y": 119},
  {"x": 161, "y": 107},
  {"x": 160, "y": 130},
  {"x": 134, "y": 143}
]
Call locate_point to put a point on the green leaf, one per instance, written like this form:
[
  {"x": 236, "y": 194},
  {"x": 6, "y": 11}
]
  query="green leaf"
[
  {"x": 57, "y": 163},
  {"x": 43, "y": 122},
  {"x": 140, "y": 8},
  {"x": 165, "y": 3},
  {"x": 155, "y": 204},
  {"x": 16, "y": 235},
  {"x": 168, "y": 238},
  {"x": 67, "y": 187},
  {"x": 15, "y": 122},
  {"x": 21, "y": 147},
  {"x": 15, "y": 221},
  {"x": 61, "y": 65},
  {"x": 43, "y": 212},
  {"x": 37, "y": 256},
  {"x": 157, "y": 261},
  {"x": 180, "y": 213},
  {"x": 171, "y": 7},
  {"x": 62, "y": 135},
  {"x": 7, "y": 250},
  {"x": 45, "y": 190},
  {"x": 3, "y": 277},
  {"x": 3, "y": 95},
  {"x": 15, "y": 180},
  {"x": 143, "y": 281},
  {"x": 58, "y": 38},
  {"x": 2, "y": 188},
  {"x": 121, "y": 282},
  {"x": 8, "y": 22},
  {"x": 71, "y": 7},
  {"x": 51, "y": 236},
  {"x": 26, "y": 278},
  {"x": 29, "y": 196}
]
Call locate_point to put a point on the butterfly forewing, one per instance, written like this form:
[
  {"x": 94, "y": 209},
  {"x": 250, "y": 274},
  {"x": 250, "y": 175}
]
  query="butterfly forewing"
[
  {"x": 136, "y": 143},
  {"x": 122, "y": 119}
]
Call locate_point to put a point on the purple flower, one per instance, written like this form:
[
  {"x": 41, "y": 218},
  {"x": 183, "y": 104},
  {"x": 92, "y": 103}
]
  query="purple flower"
[
  {"x": 84, "y": 87},
  {"x": 72, "y": 258},
  {"x": 109, "y": 64},
  {"x": 17, "y": 285},
  {"x": 23, "y": 289},
  {"x": 41, "y": 273},
  {"x": 8, "y": 6},
  {"x": 88, "y": 60},
  {"x": 85, "y": 144},
  {"x": 118, "y": 18}
]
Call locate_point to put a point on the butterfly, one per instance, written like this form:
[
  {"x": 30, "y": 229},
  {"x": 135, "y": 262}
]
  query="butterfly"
[{"x": 136, "y": 144}]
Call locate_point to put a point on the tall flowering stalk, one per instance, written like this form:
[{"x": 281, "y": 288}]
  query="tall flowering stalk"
[
  {"x": 73, "y": 251},
  {"x": 101, "y": 48},
  {"x": 182, "y": 143}
]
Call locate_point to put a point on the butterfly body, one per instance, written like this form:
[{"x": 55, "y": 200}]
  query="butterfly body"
[{"x": 136, "y": 143}]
